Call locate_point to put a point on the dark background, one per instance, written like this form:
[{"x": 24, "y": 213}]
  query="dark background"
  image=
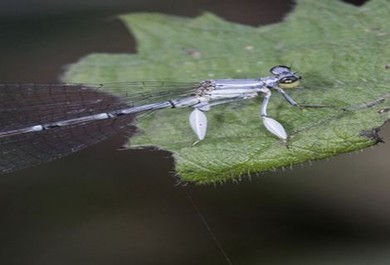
[{"x": 103, "y": 206}]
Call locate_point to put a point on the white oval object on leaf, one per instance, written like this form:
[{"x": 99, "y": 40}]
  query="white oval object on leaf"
[
  {"x": 198, "y": 122},
  {"x": 275, "y": 127}
]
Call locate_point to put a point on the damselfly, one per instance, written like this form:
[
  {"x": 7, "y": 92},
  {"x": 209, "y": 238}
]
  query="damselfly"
[{"x": 43, "y": 122}]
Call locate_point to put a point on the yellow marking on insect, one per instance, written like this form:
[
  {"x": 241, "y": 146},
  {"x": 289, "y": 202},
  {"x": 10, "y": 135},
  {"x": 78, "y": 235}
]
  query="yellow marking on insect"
[{"x": 289, "y": 84}]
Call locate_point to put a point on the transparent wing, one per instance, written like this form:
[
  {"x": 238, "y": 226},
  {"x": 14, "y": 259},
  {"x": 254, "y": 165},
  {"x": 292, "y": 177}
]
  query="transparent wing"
[
  {"x": 145, "y": 92},
  {"x": 24, "y": 105}
]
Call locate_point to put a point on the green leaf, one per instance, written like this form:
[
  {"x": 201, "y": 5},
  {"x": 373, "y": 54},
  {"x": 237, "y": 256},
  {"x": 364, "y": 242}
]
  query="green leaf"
[{"x": 340, "y": 50}]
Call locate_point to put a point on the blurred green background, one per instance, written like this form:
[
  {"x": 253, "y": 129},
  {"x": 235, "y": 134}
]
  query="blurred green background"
[{"x": 103, "y": 206}]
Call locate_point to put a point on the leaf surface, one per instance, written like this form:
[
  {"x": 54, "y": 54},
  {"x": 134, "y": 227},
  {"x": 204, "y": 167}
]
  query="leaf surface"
[{"x": 342, "y": 52}]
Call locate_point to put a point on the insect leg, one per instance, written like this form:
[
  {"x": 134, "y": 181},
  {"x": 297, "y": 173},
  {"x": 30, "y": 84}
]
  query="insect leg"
[{"x": 270, "y": 124}]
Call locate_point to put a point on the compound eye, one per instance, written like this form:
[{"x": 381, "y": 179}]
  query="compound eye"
[
  {"x": 280, "y": 69},
  {"x": 289, "y": 82}
]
